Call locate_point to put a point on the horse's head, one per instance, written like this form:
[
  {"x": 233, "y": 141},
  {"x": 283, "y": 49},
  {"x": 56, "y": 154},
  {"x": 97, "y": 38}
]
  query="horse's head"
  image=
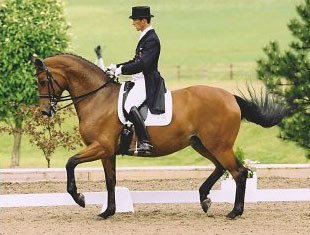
[{"x": 51, "y": 83}]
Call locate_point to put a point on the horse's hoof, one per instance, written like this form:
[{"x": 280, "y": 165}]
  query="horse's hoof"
[
  {"x": 233, "y": 214},
  {"x": 81, "y": 200},
  {"x": 205, "y": 204},
  {"x": 106, "y": 214}
]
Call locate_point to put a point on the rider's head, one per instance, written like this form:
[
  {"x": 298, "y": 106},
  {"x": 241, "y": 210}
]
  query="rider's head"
[{"x": 141, "y": 17}]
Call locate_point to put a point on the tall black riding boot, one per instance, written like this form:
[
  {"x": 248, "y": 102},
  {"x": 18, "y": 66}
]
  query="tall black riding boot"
[{"x": 144, "y": 147}]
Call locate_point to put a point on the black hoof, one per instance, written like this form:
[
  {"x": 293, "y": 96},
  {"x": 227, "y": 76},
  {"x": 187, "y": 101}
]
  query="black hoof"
[
  {"x": 205, "y": 204},
  {"x": 107, "y": 213},
  {"x": 80, "y": 200},
  {"x": 233, "y": 214}
]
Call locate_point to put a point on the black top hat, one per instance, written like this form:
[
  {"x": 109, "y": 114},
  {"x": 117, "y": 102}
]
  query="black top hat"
[{"x": 140, "y": 12}]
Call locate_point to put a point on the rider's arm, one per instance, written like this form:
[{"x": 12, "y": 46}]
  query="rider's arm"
[
  {"x": 124, "y": 63},
  {"x": 148, "y": 57}
]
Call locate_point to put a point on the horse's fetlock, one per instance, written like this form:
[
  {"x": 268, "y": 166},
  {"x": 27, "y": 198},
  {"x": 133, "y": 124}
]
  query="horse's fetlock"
[{"x": 203, "y": 194}]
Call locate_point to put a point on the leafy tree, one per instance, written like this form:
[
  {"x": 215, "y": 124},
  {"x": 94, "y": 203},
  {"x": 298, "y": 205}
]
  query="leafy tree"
[
  {"x": 26, "y": 26},
  {"x": 287, "y": 74},
  {"x": 48, "y": 134}
]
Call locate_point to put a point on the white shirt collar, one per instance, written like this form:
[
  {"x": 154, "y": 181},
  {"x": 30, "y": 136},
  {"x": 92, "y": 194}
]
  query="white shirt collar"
[{"x": 145, "y": 31}]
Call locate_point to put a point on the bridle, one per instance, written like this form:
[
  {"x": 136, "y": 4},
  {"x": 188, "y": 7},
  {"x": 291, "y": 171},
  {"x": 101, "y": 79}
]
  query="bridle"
[{"x": 54, "y": 99}]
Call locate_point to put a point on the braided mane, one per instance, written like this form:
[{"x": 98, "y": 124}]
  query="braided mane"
[
  {"x": 81, "y": 58},
  {"x": 87, "y": 61}
]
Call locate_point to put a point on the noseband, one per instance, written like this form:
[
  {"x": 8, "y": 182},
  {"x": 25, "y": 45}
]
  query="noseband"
[{"x": 54, "y": 99}]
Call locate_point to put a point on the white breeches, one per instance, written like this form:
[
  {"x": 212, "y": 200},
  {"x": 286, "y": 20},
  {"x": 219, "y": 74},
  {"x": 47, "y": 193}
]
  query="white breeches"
[{"x": 137, "y": 95}]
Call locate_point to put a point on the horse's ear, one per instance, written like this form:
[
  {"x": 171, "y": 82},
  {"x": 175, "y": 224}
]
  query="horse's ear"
[
  {"x": 32, "y": 57},
  {"x": 39, "y": 63}
]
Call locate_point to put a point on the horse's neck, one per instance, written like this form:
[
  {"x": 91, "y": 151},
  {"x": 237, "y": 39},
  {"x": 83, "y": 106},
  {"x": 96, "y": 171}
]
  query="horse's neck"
[{"x": 82, "y": 82}]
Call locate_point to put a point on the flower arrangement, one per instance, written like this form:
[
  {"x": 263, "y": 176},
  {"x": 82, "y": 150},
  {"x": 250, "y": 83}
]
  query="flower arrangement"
[{"x": 249, "y": 164}]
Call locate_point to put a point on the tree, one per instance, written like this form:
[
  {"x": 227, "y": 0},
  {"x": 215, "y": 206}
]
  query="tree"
[
  {"x": 26, "y": 26},
  {"x": 48, "y": 133},
  {"x": 287, "y": 74}
]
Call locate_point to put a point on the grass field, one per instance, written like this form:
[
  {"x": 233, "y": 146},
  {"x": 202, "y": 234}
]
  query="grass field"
[
  {"x": 191, "y": 33},
  {"x": 203, "y": 38}
]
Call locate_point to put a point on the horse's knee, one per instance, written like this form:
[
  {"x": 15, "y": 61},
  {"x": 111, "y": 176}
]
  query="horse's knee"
[{"x": 71, "y": 163}]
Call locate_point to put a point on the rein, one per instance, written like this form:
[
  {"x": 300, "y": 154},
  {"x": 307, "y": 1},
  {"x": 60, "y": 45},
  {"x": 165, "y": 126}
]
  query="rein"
[{"x": 54, "y": 99}]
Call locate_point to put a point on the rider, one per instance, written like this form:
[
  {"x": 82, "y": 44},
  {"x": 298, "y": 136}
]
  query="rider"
[{"x": 149, "y": 85}]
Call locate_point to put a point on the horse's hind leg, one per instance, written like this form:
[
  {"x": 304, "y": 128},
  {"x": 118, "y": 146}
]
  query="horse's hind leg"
[
  {"x": 205, "y": 188},
  {"x": 222, "y": 160},
  {"x": 239, "y": 173}
]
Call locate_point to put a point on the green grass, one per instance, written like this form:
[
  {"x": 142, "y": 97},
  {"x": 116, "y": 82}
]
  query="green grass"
[
  {"x": 204, "y": 38},
  {"x": 194, "y": 36},
  {"x": 191, "y": 33}
]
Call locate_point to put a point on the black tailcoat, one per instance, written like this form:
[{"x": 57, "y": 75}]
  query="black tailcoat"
[{"x": 146, "y": 61}]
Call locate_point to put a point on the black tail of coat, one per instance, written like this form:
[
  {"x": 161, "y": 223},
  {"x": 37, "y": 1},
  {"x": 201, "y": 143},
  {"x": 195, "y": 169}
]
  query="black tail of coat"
[{"x": 265, "y": 110}]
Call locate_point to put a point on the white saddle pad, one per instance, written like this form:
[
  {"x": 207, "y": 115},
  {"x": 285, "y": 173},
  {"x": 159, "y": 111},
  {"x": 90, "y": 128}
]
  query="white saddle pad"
[{"x": 151, "y": 119}]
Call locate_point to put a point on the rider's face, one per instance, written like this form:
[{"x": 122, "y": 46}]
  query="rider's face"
[{"x": 139, "y": 24}]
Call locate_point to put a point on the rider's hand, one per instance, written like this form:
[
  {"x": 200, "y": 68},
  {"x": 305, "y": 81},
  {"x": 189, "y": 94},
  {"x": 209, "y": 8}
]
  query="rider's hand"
[
  {"x": 112, "y": 67},
  {"x": 110, "y": 73},
  {"x": 118, "y": 71}
]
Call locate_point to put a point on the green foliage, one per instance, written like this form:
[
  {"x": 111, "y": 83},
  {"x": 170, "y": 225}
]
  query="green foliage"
[
  {"x": 26, "y": 27},
  {"x": 48, "y": 134},
  {"x": 287, "y": 74},
  {"x": 239, "y": 153}
]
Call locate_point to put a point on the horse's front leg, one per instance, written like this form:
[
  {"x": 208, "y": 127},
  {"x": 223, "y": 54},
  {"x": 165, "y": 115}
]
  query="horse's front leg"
[
  {"x": 92, "y": 152},
  {"x": 71, "y": 185},
  {"x": 110, "y": 178}
]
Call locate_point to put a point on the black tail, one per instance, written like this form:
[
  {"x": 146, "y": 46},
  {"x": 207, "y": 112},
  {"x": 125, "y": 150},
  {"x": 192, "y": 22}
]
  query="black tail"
[{"x": 265, "y": 110}]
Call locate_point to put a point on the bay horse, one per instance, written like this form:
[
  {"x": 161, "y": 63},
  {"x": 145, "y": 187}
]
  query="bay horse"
[{"x": 205, "y": 118}]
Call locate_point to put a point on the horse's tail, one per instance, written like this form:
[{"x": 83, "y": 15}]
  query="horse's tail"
[{"x": 265, "y": 110}]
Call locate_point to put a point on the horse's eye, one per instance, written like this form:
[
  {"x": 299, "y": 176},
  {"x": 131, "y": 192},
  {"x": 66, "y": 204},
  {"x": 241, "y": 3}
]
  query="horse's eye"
[{"x": 42, "y": 83}]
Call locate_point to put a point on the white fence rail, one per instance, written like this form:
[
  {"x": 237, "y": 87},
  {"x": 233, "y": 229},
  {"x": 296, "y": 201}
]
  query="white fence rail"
[
  {"x": 140, "y": 173},
  {"x": 126, "y": 199}
]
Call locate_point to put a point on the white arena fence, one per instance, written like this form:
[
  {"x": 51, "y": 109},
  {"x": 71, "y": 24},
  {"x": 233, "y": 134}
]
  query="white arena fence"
[{"x": 126, "y": 199}]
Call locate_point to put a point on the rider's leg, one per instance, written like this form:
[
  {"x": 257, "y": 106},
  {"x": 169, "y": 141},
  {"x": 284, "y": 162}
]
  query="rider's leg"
[
  {"x": 135, "y": 98},
  {"x": 135, "y": 117}
]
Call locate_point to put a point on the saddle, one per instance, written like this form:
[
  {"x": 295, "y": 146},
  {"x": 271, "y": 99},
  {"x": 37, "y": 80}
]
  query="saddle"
[{"x": 149, "y": 118}]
